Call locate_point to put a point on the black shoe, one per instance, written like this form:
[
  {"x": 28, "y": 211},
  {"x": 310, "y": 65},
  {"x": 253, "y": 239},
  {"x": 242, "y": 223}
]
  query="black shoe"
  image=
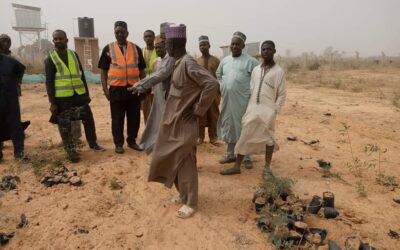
[
  {"x": 248, "y": 164},
  {"x": 74, "y": 157},
  {"x": 119, "y": 150},
  {"x": 227, "y": 160},
  {"x": 230, "y": 171},
  {"x": 96, "y": 147},
  {"x": 135, "y": 146},
  {"x": 21, "y": 156}
]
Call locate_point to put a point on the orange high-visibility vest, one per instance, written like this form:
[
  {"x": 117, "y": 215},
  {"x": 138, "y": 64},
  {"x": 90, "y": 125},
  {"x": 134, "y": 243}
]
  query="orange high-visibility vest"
[{"x": 123, "y": 69}]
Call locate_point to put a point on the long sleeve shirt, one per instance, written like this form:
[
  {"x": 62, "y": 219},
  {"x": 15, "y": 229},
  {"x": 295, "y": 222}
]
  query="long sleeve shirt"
[
  {"x": 163, "y": 74},
  {"x": 51, "y": 71}
]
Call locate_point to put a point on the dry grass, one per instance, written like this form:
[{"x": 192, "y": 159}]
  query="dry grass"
[{"x": 396, "y": 100}]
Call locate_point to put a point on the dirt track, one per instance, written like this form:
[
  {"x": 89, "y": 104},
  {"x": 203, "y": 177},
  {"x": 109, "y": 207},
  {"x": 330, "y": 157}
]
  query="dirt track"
[{"x": 142, "y": 216}]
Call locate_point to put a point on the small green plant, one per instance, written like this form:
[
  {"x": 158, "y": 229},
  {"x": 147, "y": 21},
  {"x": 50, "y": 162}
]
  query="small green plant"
[
  {"x": 361, "y": 189},
  {"x": 275, "y": 186},
  {"x": 327, "y": 173},
  {"x": 356, "y": 166},
  {"x": 387, "y": 181},
  {"x": 115, "y": 184}
]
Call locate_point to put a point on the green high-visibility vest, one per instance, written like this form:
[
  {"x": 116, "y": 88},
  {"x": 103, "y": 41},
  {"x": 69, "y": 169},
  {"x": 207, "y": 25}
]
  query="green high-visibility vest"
[
  {"x": 149, "y": 65},
  {"x": 68, "y": 78}
]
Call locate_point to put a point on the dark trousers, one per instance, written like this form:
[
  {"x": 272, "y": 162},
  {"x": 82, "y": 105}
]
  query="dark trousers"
[
  {"x": 129, "y": 107},
  {"x": 64, "y": 126},
  {"x": 10, "y": 119}
]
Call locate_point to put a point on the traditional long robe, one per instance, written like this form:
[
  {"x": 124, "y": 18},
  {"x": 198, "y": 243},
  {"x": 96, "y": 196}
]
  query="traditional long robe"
[
  {"x": 174, "y": 155},
  {"x": 210, "y": 119},
  {"x": 160, "y": 82},
  {"x": 234, "y": 75},
  {"x": 267, "y": 98},
  {"x": 11, "y": 72}
]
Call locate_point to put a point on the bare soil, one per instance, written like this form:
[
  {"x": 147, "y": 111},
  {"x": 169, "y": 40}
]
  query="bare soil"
[{"x": 141, "y": 215}]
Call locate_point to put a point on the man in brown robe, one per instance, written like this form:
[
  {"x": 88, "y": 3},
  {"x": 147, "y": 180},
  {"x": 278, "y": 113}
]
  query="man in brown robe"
[
  {"x": 210, "y": 119},
  {"x": 193, "y": 89}
]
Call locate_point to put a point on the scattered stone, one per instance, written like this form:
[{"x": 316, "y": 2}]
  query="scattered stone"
[
  {"x": 327, "y": 114},
  {"x": 94, "y": 227},
  {"x": 393, "y": 234},
  {"x": 29, "y": 199},
  {"x": 57, "y": 178},
  {"x": 397, "y": 200},
  {"x": 82, "y": 231},
  {"x": 65, "y": 206},
  {"x": 23, "y": 221},
  {"x": 311, "y": 142},
  {"x": 323, "y": 164},
  {"x": 139, "y": 235},
  {"x": 291, "y": 138},
  {"x": 4, "y": 238},
  {"x": 75, "y": 181},
  {"x": 9, "y": 182},
  {"x": 71, "y": 174},
  {"x": 61, "y": 175}
]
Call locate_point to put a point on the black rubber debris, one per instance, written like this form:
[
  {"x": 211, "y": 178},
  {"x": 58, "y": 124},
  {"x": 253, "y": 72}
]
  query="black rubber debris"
[
  {"x": 311, "y": 142},
  {"x": 328, "y": 199},
  {"x": 23, "y": 221},
  {"x": 9, "y": 182},
  {"x": 82, "y": 231},
  {"x": 366, "y": 246},
  {"x": 393, "y": 234},
  {"x": 330, "y": 213},
  {"x": 4, "y": 238},
  {"x": 315, "y": 204},
  {"x": 323, "y": 164}
]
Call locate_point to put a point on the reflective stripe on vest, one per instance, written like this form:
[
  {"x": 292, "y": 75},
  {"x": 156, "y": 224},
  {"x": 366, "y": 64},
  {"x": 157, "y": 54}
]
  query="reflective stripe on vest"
[
  {"x": 123, "y": 69},
  {"x": 149, "y": 64},
  {"x": 68, "y": 79}
]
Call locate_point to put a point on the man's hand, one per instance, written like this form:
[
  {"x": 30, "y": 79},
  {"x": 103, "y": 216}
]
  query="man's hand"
[
  {"x": 54, "y": 109},
  {"x": 137, "y": 89},
  {"x": 188, "y": 114},
  {"x": 106, "y": 93}
]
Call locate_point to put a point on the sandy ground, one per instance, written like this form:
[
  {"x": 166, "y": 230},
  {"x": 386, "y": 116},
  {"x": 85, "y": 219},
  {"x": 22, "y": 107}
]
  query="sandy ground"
[{"x": 142, "y": 216}]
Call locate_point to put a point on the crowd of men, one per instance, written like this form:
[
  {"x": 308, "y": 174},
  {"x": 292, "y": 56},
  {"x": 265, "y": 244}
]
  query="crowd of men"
[{"x": 179, "y": 97}]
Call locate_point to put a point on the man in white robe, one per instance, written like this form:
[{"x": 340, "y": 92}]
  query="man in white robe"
[{"x": 268, "y": 94}]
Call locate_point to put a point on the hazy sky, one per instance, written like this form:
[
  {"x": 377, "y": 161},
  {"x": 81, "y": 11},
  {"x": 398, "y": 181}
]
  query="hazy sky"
[{"x": 369, "y": 26}]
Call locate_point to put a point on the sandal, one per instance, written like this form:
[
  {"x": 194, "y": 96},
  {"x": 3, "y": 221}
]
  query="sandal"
[
  {"x": 185, "y": 212},
  {"x": 230, "y": 171}
]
